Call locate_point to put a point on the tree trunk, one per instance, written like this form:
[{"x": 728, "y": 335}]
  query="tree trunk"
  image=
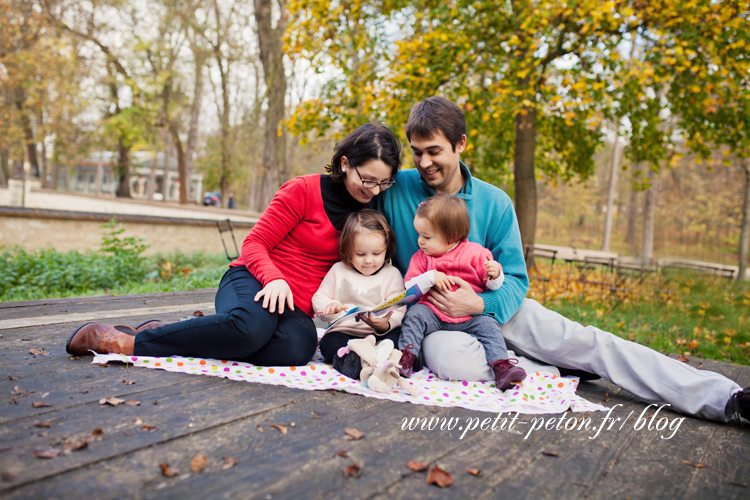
[
  {"x": 524, "y": 176},
  {"x": 630, "y": 236},
  {"x": 4, "y": 167},
  {"x": 192, "y": 140},
  {"x": 270, "y": 41},
  {"x": 649, "y": 209},
  {"x": 180, "y": 163},
  {"x": 151, "y": 184},
  {"x": 745, "y": 233},
  {"x": 611, "y": 197},
  {"x": 123, "y": 169}
]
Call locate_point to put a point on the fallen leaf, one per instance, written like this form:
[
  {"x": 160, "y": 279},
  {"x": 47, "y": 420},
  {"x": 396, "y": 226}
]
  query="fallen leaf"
[
  {"x": 292, "y": 401},
  {"x": 473, "y": 472},
  {"x": 44, "y": 395},
  {"x": 11, "y": 377},
  {"x": 40, "y": 405},
  {"x": 75, "y": 445},
  {"x": 85, "y": 391},
  {"x": 156, "y": 402},
  {"x": 259, "y": 427},
  {"x": 550, "y": 453},
  {"x": 691, "y": 464},
  {"x": 440, "y": 477},
  {"x": 37, "y": 352},
  {"x": 315, "y": 415},
  {"x": 342, "y": 453},
  {"x": 7, "y": 476},
  {"x": 733, "y": 483},
  {"x": 97, "y": 434},
  {"x": 133, "y": 402},
  {"x": 13, "y": 401},
  {"x": 281, "y": 428},
  {"x": 167, "y": 471},
  {"x": 353, "y": 470},
  {"x": 229, "y": 462},
  {"x": 128, "y": 382},
  {"x": 111, "y": 401},
  {"x": 43, "y": 424},
  {"x": 197, "y": 463},
  {"x": 17, "y": 391},
  {"x": 683, "y": 359},
  {"x": 147, "y": 427},
  {"x": 353, "y": 434},
  {"x": 47, "y": 452},
  {"x": 416, "y": 466}
]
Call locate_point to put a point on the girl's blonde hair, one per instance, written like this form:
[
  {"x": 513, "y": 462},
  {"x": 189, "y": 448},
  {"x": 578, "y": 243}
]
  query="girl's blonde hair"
[
  {"x": 365, "y": 219},
  {"x": 448, "y": 215}
]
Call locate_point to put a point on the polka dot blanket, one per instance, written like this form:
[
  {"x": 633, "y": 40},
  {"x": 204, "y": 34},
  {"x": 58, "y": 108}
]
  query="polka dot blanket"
[{"x": 539, "y": 393}]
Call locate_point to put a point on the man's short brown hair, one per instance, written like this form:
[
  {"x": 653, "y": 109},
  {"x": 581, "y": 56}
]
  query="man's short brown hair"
[
  {"x": 365, "y": 219},
  {"x": 436, "y": 114},
  {"x": 448, "y": 215}
]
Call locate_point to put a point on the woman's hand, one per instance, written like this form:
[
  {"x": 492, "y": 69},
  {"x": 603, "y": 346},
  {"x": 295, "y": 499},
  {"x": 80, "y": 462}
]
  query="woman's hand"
[
  {"x": 380, "y": 325},
  {"x": 276, "y": 292},
  {"x": 463, "y": 301},
  {"x": 332, "y": 308}
]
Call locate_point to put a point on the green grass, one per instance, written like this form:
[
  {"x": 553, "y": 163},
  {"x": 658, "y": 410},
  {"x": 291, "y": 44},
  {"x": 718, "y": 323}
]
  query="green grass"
[{"x": 681, "y": 313}]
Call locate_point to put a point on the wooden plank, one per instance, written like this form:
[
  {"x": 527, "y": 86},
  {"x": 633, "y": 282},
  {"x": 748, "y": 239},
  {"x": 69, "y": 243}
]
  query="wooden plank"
[{"x": 8, "y": 324}]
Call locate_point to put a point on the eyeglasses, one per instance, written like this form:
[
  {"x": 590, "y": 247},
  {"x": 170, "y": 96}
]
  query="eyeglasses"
[{"x": 371, "y": 184}]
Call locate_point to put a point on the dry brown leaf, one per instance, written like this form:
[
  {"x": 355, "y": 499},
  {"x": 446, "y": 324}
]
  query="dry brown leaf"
[
  {"x": 155, "y": 402},
  {"x": 353, "y": 470},
  {"x": 683, "y": 359},
  {"x": 11, "y": 377},
  {"x": 97, "y": 434},
  {"x": 550, "y": 453},
  {"x": 691, "y": 464},
  {"x": 75, "y": 445},
  {"x": 40, "y": 405},
  {"x": 17, "y": 391},
  {"x": 9, "y": 476},
  {"x": 138, "y": 421},
  {"x": 43, "y": 424},
  {"x": 128, "y": 382},
  {"x": 473, "y": 472},
  {"x": 259, "y": 427},
  {"x": 46, "y": 452},
  {"x": 439, "y": 477},
  {"x": 37, "y": 352},
  {"x": 417, "y": 466},
  {"x": 133, "y": 402},
  {"x": 111, "y": 401},
  {"x": 147, "y": 427},
  {"x": 281, "y": 428},
  {"x": 229, "y": 462},
  {"x": 353, "y": 434},
  {"x": 167, "y": 471},
  {"x": 197, "y": 463},
  {"x": 342, "y": 453}
]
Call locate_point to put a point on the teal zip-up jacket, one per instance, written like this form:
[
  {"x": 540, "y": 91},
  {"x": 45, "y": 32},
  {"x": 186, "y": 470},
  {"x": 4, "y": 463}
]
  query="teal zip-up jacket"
[{"x": 493, "y": 225}]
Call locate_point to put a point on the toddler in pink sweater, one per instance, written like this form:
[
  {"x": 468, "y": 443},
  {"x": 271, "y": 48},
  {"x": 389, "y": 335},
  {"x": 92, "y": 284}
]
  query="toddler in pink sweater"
[{"x": 443, "y": 224}]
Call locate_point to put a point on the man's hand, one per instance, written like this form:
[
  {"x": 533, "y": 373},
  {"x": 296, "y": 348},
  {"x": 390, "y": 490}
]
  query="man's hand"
[
  {"x": 380, "y": 325},
  {"x": 333, "y": 308},
  {"x": 276, "y": 293},
  {"x": 493, "y": 269},
  {"x": 443, "y": 282},
  {"x": 463, "y": 301}
]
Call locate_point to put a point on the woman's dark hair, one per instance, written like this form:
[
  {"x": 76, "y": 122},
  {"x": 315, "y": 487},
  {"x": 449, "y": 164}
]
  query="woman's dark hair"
[
  {"x": 365, "y": 219},
  {"x": 436, "y": 114},
  {"x": 366, "y": 143}
]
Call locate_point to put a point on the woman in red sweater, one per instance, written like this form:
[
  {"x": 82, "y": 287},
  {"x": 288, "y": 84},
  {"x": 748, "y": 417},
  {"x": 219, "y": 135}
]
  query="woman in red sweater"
[{"x": 264, "y": 301}]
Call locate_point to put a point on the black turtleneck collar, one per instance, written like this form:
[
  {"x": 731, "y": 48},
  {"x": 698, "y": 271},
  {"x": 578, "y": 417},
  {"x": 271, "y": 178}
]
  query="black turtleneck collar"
[{"x": 337, "y": 201}]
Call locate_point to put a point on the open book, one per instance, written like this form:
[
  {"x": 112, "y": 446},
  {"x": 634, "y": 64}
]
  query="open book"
[{"x": 413, "y": 294}]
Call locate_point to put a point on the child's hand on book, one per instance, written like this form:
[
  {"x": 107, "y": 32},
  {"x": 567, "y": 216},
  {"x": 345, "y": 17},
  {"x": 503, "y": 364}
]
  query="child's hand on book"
[
  {"x": 493, "y": 269},
  {"x": 443, "y": 282},
  {"x": 332, "y": 308},
  {"x": 380, "y": 325}
]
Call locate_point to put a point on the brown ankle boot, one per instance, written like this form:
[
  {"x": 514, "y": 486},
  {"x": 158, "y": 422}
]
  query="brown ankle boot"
[
  {"x": 152, "y": 323},
  {"x": 97, "y": 337},
  {"x": 507, "y": 374},
  {"x": 406, "y": 365}
]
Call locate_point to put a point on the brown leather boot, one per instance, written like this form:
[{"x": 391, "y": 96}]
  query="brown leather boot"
[
  {"x": 152, "y": 323},
  {"x": 406, "y": 365},
  {"x": 99, "y": 338}
]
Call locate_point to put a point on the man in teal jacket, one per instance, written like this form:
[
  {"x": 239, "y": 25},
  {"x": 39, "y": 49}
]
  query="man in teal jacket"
[{"x": 437, "y": 133}]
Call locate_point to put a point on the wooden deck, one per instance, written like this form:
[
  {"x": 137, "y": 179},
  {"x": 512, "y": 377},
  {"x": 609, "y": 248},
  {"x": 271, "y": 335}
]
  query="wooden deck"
[{"x": 182, "y": 416}]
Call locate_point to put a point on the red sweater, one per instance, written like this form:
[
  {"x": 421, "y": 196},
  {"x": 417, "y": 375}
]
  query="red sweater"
[{"x": 294, "y": 240}]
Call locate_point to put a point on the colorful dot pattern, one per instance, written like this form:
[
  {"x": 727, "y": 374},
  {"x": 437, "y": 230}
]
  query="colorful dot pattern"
[{"x": 539, "y": 393}]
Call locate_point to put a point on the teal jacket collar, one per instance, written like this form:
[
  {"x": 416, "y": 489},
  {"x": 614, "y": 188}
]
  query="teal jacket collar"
[{"x": 465, "y": 191}]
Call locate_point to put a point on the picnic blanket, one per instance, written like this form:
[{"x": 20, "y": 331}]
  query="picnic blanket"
[{"x": 540, "y": 393}]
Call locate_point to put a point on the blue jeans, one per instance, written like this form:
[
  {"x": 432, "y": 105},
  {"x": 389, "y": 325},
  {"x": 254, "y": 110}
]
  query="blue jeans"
[{"x": 241, "y": 330}]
